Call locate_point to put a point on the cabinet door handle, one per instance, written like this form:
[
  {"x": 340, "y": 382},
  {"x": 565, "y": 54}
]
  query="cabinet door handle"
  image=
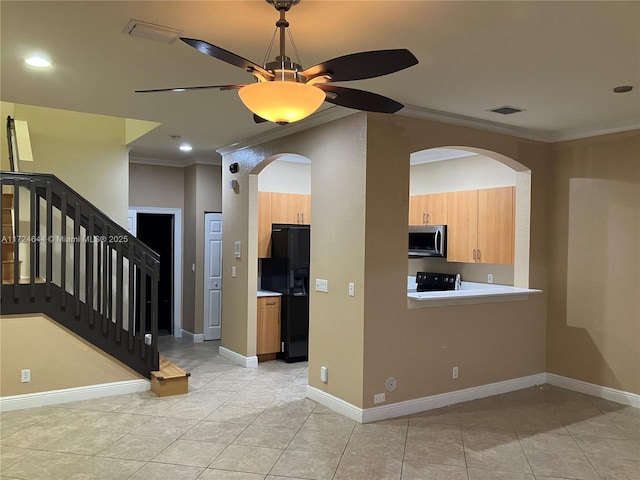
[
  {"x": 298, "y": 217},
  {"x": 424, "y": 218},
  {"x": 474, "y": 253},
  {"x": 271, "y": 303},
  {"x": 478, "y": 255},
  {"x": 302, "y": 217},
  {"x": 427, "y": 218}
]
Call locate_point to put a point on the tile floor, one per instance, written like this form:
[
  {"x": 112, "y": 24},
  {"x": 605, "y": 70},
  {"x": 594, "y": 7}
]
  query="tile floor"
[{"x": 256, "y": 424}]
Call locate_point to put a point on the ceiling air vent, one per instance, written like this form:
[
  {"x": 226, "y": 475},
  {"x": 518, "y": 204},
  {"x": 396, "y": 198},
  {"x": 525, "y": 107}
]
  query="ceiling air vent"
[
  {"x": 506, "y": 110},
  {"x": 151, "y": 31}
]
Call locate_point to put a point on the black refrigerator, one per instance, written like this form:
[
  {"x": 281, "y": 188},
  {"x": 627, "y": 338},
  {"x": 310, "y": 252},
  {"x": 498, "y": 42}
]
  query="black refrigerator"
[{"x": 287, "y": 272}]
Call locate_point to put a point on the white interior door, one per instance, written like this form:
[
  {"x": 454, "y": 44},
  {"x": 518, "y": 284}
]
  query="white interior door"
[{"x": 212, "y": 275}]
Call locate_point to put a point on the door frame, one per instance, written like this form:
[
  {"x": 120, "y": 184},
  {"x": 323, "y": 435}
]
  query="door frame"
[{"x": 177, "y": 256}]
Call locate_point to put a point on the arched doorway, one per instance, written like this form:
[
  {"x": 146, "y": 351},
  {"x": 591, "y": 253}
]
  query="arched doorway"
[{"x": 461, "y": 186}]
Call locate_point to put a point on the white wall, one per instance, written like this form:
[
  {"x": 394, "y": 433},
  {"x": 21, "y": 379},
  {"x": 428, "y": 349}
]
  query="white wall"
[
  {"x": 466, "y": 173},
  {"x": 285, "y": 177}
]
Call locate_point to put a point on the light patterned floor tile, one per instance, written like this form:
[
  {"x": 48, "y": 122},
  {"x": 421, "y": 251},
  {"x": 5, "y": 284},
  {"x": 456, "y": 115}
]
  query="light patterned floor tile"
[
  {"x": 311, "y": 465},
  {"x": 242, "y": 458},
  {"x": 163, "y": 471}
]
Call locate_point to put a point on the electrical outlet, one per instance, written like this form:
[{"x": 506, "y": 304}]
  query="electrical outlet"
[
  {"x": 379, "y": 398},
  {"x": 352, "y": 289},
  {"x": 25, "y": 375},
  {"x": 234, "y": 272},
  {"x": 454, "y": 373},
  {"x": 489, "y": 277}
]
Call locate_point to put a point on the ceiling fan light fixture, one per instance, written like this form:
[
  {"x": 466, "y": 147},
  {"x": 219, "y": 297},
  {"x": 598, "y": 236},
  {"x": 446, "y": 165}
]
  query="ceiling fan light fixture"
[{"x": 281, "y": 102}]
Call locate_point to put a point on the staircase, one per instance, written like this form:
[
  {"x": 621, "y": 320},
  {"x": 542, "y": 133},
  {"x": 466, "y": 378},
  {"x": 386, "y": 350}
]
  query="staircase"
[
  {"x": 63, "y": 257},
  {"x": 8, "y": 270}
]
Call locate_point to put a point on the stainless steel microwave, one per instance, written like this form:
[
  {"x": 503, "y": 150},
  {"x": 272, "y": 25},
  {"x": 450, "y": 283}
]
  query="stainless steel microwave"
[{"x": 428, "y": 241}]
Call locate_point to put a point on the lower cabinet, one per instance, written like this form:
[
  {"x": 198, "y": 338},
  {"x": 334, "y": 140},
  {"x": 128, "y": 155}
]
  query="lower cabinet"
[{"x": 268, "y": 341}]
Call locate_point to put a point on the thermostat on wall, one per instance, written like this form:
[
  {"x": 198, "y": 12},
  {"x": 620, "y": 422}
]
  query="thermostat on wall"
[{"x": 237, "y": 249}]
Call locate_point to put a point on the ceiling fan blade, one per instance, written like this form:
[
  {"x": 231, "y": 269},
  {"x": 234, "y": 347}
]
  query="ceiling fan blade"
[
  {"x": 358, "y": 66},
  {"x": 225, "y": 55},
  {"x": 258, "y": 119},
  {"x": 184, "y": 89},
  {"x": 359, "y": 99}
]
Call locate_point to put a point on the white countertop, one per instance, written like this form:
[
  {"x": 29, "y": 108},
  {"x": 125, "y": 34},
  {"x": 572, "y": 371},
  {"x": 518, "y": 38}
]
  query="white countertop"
[
  {"x": 471, "y": 292},
  {"x": 267, "y": 293}
]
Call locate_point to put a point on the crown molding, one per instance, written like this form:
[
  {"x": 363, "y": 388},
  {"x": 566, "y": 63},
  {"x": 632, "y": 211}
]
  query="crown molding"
[
  {"x": 479, "y": 124},
  {"x": 323, "y": 116},
  {"x": 164, "y": 162},
  {"x": 531, "y": 134}
]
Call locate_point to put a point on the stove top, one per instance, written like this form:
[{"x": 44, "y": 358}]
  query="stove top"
[{"x": 434, "y": 282}]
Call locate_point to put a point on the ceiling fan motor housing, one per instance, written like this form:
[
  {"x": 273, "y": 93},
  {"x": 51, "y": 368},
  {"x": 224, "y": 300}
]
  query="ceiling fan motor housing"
[{"x": 285, "y": 70}]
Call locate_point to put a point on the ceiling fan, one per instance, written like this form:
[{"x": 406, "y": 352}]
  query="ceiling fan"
[{"x": 284, "y": 92}]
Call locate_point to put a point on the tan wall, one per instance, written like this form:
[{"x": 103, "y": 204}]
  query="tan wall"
[
  {"x": 189, "y": 248},
  {"x": 594, "y": 306},
  {"x": 337, "y": 153},
  {"x": 85, "y": 151},
  {"x": 56, "y": 357},
  {"x": 156, "y": 186},
  {"x": 489, "y": 342},
  {"x": 208, "y": 200}
]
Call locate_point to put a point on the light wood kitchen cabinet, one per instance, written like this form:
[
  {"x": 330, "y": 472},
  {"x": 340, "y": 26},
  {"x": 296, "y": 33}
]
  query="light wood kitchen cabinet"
[
  {"x": 264, "y": 224},
  {"x": 481, "y": 226},
  {"x": 429, "y": 209},
  {"x": 290, "y": 208},
  {"x": 268, "y": 341},
  {"x": 274, "y": 207}
]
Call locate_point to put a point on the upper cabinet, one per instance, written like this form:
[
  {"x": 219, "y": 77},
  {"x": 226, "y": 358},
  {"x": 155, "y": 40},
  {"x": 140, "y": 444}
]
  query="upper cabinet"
[
  {"x": 430, "y": 209},
  {"x": 290, "y": 208},
  {"x": 264, "y": 224},
  {"x": 276, "y": 207},
  {"x": 481, "y": 226}
]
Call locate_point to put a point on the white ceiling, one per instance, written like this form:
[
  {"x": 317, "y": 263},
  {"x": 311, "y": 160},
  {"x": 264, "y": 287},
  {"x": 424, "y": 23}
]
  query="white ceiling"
[{"x": 559, "y": 61}]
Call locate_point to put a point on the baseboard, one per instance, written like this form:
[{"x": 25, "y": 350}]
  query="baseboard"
[
  {"x": 607, "y": 393},
  {"x": 408, "y": 407},
  {"x": 89, "y": 392},
  {"x": 249, "y": 362},
  {"x": 196, "y": 337}
]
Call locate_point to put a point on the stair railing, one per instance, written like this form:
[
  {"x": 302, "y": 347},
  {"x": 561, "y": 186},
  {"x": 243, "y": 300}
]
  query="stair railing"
[{"x": 84, "y": 270}]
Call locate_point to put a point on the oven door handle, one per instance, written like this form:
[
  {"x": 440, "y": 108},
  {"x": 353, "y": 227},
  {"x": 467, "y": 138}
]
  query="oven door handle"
[{"x": 438, "y": 242}]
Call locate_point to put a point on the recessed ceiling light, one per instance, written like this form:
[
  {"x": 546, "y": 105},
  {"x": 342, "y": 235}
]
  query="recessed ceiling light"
[
  {"x": 623, "y": 89},
  {"x": 185, "y": 147},
  {"x": 38, "y": 61}
]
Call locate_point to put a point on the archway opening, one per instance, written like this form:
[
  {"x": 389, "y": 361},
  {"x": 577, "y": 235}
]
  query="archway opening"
[{"x": 482, "y": 198}]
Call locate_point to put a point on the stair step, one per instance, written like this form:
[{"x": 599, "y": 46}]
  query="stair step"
[
  {"x": 23, "y": 281},
  {"x": 170, "y": 379}
]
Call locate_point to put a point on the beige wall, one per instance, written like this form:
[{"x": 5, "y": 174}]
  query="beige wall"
[
  {"x": 85, "y": 151},
  {"x": 359, "y": 235},
  {"x": 196, "y": 190},
  {"x": 156, "y": 186},
  {"x": 594, "y": 305},
  {"x": 56, "y": 357},
  {"x": 489, "y": 342},
  {"x": 208, "y": 200},
  {"x": 189, "y": 248},
  {"x": 327, "y": 146}
]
